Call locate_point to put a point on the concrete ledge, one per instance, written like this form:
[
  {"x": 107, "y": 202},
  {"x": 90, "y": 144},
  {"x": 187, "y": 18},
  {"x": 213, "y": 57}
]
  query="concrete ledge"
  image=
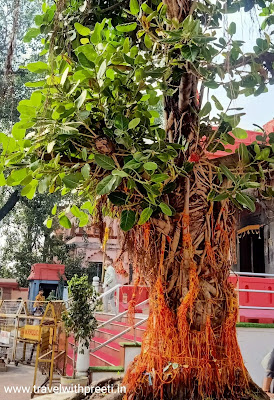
[
  {"x": 130, "y": 344},
  {"x": 107, "y": 368},
  {"x": 104, "y": 372}
]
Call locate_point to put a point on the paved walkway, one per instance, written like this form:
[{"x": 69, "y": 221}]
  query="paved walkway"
[{"x": 22, "y": 375}]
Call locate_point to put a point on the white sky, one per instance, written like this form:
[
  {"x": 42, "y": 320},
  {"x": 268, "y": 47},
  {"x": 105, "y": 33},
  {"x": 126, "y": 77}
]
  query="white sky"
[{"x": 259, "y": 110}]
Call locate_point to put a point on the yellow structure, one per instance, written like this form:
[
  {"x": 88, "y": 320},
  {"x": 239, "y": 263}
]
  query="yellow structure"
[
  {"x": 44, "y": 333},
  {"x": 51, "y": 351}
]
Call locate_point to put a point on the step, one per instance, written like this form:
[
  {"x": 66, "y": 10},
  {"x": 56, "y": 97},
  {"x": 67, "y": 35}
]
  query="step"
[
  {"x": 109, "y": 333},
  {"x": 106, "y": 317},
  {"x": 112, "y": 349},
  {"x": 98, "y": 358},
  {"x": 104, "y": 356}
]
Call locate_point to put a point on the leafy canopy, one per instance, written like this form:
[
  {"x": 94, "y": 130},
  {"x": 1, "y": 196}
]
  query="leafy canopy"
[{"x": 90, "y": 126}]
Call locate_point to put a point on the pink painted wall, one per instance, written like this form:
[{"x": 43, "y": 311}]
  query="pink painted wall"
[{"x": 88, "y": 244}]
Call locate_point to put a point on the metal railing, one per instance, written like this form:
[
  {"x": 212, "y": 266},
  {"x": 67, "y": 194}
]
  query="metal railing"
[
  {"x": 120, "y": 334},
  {"x": 256, "y": 275}
]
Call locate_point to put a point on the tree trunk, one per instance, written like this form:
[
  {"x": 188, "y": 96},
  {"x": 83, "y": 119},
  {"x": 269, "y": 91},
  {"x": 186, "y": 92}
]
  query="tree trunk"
[
  {"x": 9, "y": 205},
  {"x": 190, "y": 349}
]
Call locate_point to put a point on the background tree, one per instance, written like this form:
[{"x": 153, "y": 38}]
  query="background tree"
[
  {"x": 90, "y": 129},
  {"x": 27, "y": 240}
]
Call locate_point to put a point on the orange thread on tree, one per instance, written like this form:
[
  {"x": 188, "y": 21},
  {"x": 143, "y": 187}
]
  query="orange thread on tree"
[
  {"x": 132, "y": 302},
  {"x": 146, "y": 228}
]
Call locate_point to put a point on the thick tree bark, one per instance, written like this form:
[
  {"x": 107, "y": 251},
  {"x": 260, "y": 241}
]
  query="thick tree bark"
[
  {"x": 190, "y": 349},
  {"x": 10, "y": 204}
]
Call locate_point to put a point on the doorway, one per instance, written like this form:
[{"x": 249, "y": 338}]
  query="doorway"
[{"x": 251, "y": 247}]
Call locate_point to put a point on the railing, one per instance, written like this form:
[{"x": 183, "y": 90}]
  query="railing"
[
  {"x": 120, "y": 334},
  {"x": 246, "y": 290}
]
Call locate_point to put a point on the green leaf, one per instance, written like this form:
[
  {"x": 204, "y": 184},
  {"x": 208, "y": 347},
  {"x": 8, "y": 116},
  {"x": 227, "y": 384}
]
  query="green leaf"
[
  {"x": 71, "y": 181},
  {"x": 102, "y": 70},
  {"x": 82, "y": 30},
  {"x": 49, "y": 223},
  {"x": 31, "y": 34},
  {"x": 128, "y": 219},
  {"x": 212, "y": 84},
  {"x": 88, "y": 206},
  {"x": 134, "y": 7},
  {"x": 205, "y": 110},
  {"x": 148, "y": 41},
  {"x": 64, "y": 76},
  {"x": 240, "y": 133},
  {"x": 150, "y": 166},
  {"x": 83, "y": 220},
  {"x": 65, "y": 222},
  {"x": 2, "y": 179},
  {"x": 17, "y": 176},
  {"x": 54, "y": 209},
  {"x": 121, "y": 122},
  {"x": 146, "y": 8},
  {"x": 108, "y": 184},
  {"x": 159, "y": 178},
  {"x": 118, "y": 172},
  {"x": 104, "y": 161},
  {"x": 218, "y": 105},
  {"x": 165, "y": 209},
  {"x": 118, "y": 198},
  {"x": 96, "y": 34},
  {"x": 18, "y": 133},
  {"x": 35, "y": 84},
  {"x": 80, "y": 100},
  {"x": 75, "y": 211},
  {"x": 85, "y": 170},
  {"x": 85, "y": 62},
  {"x": 145, "y": 215},
  {"x": 232, "y": 29},
  {"x": 133, "y": 123},
  {"x": 127, "y": 27},
  {"x": 246, "y": 201},
  {"x": 227, "y": 173},
  {"x": 38, "y": 67},
  {"x": 132, "y": 164},
  {"x": 50, "y": 146},
  {"x": 243, "y": 152},
  {"x": 30, "y": 189},
  {"x": 221, "y": 196}
]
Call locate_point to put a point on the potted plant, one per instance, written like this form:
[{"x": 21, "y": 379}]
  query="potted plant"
[{"x": 80, "y": 321}]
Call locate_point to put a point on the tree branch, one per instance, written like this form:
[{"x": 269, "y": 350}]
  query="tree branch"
[{"x": 10, "y": 204}]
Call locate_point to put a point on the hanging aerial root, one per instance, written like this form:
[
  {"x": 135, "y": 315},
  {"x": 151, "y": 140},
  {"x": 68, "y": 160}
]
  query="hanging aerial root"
[
  {"x": 176, "y": 358},
  {"x": 160, "y": 346}
]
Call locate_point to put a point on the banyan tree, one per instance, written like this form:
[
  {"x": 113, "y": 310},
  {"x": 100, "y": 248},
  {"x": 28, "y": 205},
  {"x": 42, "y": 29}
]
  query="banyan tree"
[{"x": 121, "y": 116}]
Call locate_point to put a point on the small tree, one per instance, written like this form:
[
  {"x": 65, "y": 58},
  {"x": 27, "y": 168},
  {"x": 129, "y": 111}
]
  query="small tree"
[{"x": 79, "y": 318}]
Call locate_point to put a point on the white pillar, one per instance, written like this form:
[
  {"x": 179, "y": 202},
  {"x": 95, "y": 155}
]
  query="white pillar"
[
  {"x": 82, "y": 363},
  {"x": 95, "y": 284}
]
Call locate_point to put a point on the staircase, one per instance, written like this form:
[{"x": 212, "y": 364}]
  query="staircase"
[
  {"x": 117, "y": 331},
  {"x": 106, "y": 347}
]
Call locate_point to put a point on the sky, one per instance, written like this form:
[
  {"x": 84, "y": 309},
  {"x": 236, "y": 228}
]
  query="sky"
[{"x": 259, "y": 110}]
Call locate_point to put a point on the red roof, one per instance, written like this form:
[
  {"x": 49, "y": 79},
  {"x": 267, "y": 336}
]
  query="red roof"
[
  {"x": 269, "y": 127},
  {"x": 233, "y": 147},
  {"x": 47, "y": 272},
  {"x": 9, "y": 283}
]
